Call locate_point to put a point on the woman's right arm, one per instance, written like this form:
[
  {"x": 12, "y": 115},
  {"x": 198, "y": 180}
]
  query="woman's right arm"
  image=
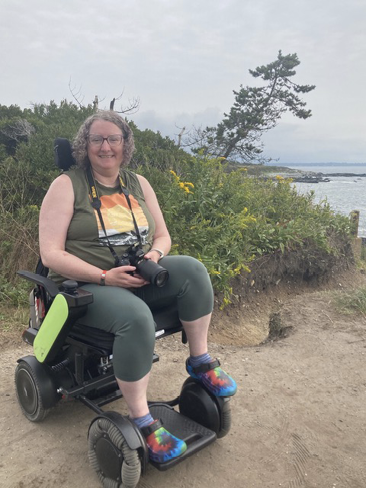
[{"x": 55, "y": 215}]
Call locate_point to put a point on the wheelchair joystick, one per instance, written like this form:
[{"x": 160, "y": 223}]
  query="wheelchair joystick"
[{"x": 70, "y": 286}]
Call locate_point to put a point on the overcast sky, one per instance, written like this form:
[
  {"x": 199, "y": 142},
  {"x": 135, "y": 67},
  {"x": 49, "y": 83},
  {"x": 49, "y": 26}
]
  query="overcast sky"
[{"x": 184, "y": 58}]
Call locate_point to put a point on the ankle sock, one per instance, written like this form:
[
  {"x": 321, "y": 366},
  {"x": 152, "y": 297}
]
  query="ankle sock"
[
  {"x": 198, "y": 360},
  {"x": 143, "y": 421}
]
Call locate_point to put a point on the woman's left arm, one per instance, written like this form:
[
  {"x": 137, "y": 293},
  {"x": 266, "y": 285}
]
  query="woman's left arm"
[{"x": 162, "y": 239}]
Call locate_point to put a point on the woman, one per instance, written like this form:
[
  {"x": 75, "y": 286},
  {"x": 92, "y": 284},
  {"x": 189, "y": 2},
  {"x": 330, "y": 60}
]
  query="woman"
[{"x": 87, "y": 244}]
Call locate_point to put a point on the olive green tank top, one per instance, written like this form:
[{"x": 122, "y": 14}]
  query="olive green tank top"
[{"x": 86, "y": 238}]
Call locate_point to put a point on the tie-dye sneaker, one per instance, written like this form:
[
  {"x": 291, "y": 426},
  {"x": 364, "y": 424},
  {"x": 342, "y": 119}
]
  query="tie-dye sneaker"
[
  {"x": 217, "y": 381},
  {"x": 162, "y": 445}
]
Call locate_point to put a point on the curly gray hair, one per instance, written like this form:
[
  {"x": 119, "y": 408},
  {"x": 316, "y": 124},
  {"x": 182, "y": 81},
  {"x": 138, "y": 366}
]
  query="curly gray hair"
[{"x": 80, "y": 142}]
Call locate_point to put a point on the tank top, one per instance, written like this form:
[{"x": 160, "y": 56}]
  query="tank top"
[{"x": 86, "y": 238}]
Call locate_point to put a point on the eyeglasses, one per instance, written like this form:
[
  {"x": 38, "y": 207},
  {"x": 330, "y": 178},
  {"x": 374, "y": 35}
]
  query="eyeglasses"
[{"x": 97, "y": 141}]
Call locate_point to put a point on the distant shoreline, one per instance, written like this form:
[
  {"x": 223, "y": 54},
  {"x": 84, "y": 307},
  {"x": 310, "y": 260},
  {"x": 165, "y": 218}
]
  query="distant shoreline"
[
  {"x": 306, "y": 176},
  {"x": 322, "y": 177},
  {"x": 300, "y": 176},
  {"x": 304, "y": 172},
  {"x": 316, "y": 164}
]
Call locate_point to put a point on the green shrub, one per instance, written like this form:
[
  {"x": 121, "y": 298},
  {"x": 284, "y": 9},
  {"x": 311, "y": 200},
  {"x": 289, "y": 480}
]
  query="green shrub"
[
  {"x": 18, "y": 241},
  {"x": 14, "y": 295},
  {"x": 227, "y": 219}
]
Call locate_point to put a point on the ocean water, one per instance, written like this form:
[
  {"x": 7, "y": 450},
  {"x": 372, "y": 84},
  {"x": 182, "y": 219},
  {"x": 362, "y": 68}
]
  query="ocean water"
[{"x": 343, "y": 193}]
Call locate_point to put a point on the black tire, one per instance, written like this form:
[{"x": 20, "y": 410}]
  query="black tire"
[
  {"x": 115, "y": 463},
  {"x": 29, "y": 394},
  {"x": 226, "y": 418},
  {"x": 198, "y": 404}
]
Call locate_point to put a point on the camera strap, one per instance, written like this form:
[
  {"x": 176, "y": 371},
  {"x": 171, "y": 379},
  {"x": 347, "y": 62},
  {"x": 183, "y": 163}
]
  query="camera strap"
[
  {"x": 126, "y": 194},
  {"x": 96, "y": 204}
]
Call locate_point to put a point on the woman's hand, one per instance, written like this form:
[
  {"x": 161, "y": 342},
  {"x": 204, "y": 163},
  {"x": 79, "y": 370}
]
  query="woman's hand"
[
  {"x": 125, "y": 277},
  {"x": 153, "y": 256}
]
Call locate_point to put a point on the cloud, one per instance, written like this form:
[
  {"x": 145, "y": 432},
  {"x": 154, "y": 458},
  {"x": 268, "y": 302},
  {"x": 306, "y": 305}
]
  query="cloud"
[
  {"x": 184, "y": 59},
  {"x": 170, "y": 124}
]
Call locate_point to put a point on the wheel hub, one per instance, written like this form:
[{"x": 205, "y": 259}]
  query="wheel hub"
[
  {"x": 27, "y": 392},
  {"x": 110, "y": 458}
]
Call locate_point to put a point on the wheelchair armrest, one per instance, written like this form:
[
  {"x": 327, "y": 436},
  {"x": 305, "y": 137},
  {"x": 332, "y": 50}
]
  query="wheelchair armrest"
[
  {"x": 74, "y": 297},
  {"x": 49, "y": 285},
  {"x": 62, "y": 308}
]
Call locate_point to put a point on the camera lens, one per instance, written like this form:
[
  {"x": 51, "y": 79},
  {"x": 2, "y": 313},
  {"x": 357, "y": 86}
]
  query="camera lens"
[
  {"x": 152, "y": 272},
  {"x": 161, "y": 278}
]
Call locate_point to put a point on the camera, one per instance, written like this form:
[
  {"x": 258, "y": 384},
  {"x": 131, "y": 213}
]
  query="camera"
[{"x": 150, "y": 271}]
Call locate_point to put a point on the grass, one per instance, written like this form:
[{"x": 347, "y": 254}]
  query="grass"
[
  {"x": 14, "y": 309},
  {"x": 352, "y": 302},
  {"x": 13, "y": 318}
]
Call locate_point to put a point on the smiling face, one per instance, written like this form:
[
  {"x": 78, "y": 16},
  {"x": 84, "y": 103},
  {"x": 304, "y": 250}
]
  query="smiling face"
[{"x": 105, "y": 159}]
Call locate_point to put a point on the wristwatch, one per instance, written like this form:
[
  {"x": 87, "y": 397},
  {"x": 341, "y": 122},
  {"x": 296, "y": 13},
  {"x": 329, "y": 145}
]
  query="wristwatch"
[{"x": 158, "y": 251}]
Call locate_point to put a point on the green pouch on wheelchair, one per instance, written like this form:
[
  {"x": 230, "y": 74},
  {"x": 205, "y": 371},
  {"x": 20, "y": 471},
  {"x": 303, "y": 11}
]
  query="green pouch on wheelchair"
[{"x": 51, "y": 328}]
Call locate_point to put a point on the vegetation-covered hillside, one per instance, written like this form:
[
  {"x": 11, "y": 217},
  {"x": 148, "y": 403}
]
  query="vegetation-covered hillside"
[{"x": 224, "y": 218}]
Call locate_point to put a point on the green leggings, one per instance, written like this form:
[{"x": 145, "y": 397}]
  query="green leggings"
[{"x": 127, "y": 314}]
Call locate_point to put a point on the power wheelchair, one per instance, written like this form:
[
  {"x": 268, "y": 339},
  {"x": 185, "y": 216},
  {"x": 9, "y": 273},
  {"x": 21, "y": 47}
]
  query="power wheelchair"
[{"x": 72, "y": 361}]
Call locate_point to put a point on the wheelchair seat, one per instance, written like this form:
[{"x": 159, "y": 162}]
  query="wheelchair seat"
[
  {"x": 166, "y": 323},
  {"x": 93, "y": 337}
]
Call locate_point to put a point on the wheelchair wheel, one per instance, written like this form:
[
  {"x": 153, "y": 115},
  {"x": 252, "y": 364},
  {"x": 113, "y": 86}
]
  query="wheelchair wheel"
[
  {"x": 115, "y": 463},
  {"x": 200, "y": 405},
  {"x": 29, "y": 393}
]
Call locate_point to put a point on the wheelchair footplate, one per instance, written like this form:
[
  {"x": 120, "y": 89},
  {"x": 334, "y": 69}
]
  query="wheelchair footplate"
[{"x": 196, "y": 436}]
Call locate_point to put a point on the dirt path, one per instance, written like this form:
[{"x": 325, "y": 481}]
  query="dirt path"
[{"x": 298, "y": 419}]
